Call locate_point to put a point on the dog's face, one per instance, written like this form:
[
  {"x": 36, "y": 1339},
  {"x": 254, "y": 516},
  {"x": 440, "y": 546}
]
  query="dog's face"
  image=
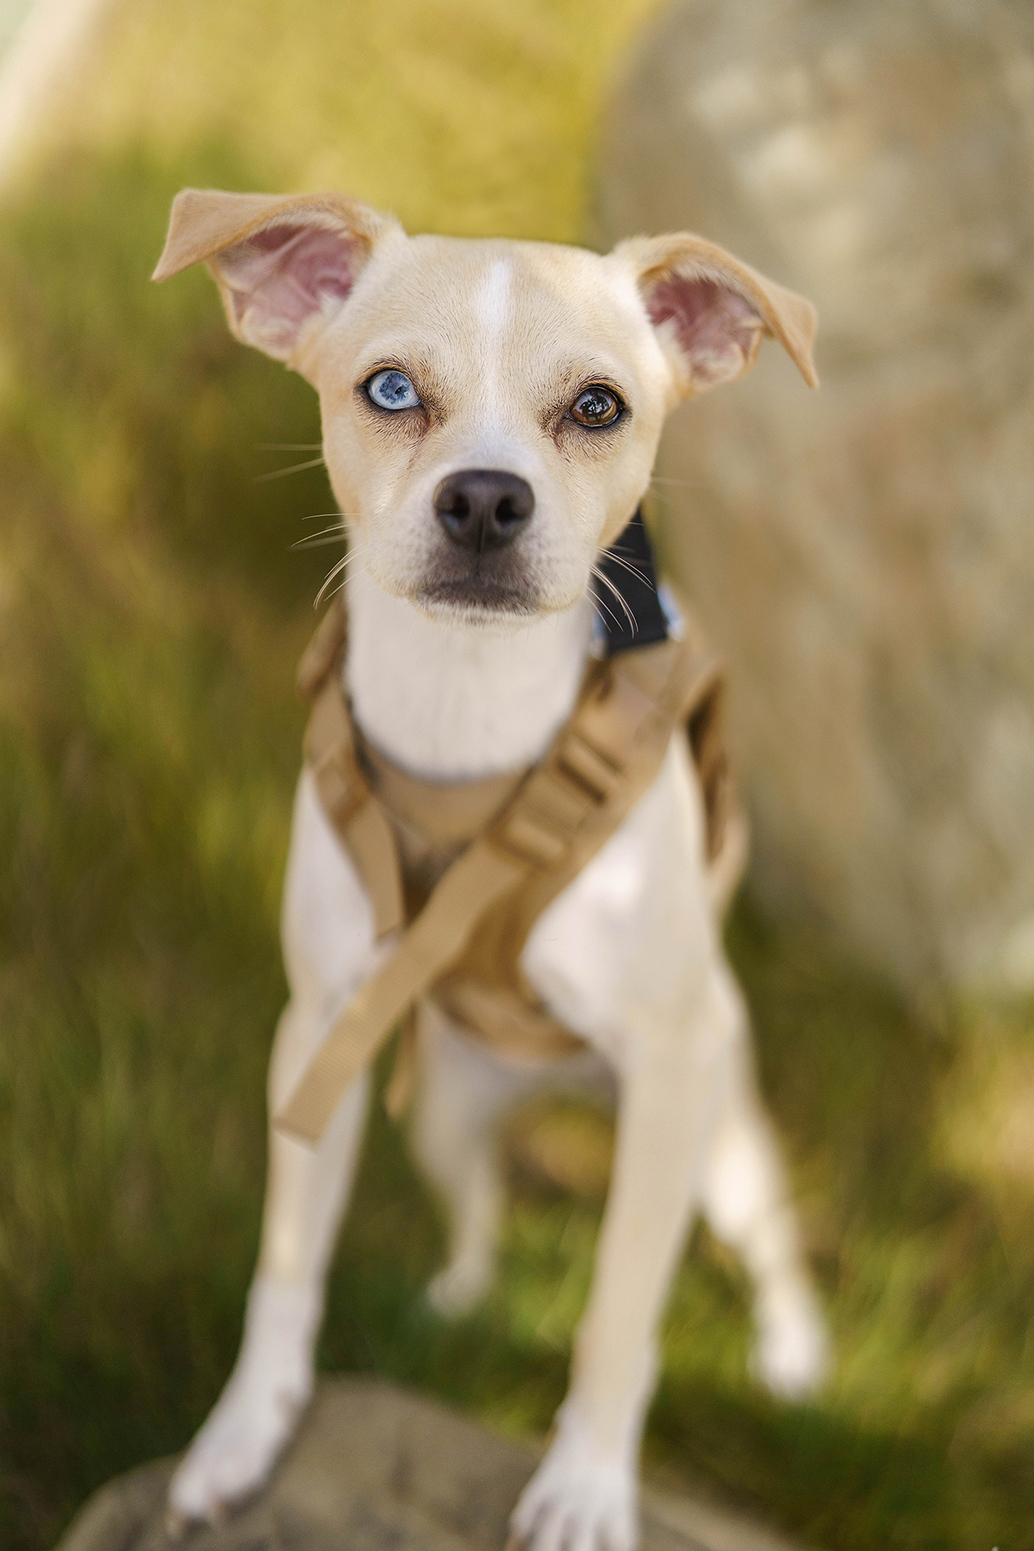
[{"x": 491, "y": 409}]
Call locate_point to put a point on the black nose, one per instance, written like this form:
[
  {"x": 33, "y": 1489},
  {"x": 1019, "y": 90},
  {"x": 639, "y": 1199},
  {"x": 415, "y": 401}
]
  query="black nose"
[{"x": 483, "y": 508}]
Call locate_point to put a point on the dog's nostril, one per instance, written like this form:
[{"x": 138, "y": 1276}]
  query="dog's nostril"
[
  {"x": 483, "y": 508},
  {"x": 457, "y": 506}
]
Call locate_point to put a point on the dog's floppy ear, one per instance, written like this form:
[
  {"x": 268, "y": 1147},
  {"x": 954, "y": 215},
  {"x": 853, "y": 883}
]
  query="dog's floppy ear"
[
  {"x": 710, "y": 311},
  {"x": 279, "y": 260}
]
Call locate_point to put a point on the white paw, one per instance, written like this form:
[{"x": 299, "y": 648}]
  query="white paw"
[
  {"x": 234, "y": 1452},
  {"x": 459, "y": 1288},
  {"x": 578, "y": 1500},
  {"x": 256, "y": 1413},
  {"x": 791, "y": 1349}
]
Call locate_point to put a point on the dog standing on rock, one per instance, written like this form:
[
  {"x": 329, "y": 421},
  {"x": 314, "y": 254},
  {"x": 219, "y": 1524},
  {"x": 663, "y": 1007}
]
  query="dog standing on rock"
[{"x": 491, "y": 412}]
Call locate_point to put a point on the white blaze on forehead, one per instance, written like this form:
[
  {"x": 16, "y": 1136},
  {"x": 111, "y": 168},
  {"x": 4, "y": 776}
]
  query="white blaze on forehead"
[
  {"x": 492, "y": 309},
  {"x": 493, "y": 301}
]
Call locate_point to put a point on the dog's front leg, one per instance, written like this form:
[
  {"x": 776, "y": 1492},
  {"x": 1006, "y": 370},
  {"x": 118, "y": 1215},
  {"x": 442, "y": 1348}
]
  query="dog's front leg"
[
  {"x": 328, "y": 947},
  {"x": 583, "y": 1496}
]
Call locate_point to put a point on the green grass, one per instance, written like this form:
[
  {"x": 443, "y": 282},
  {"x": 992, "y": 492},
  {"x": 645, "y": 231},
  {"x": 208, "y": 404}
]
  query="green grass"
[{"x": 151, "y": 611}]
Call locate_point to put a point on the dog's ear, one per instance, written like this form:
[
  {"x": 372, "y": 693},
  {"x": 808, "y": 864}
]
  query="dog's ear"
[
  {"x": 279, "y": 260},
  {"x": 710, "y": 311}
]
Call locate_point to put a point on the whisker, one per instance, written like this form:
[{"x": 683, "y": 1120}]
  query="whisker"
[
  {"x": 607, "y": 613},
  {"x": 337, "y": 530},
  {"x": 595, "y": 605},
  {"x": 318, "y": 543},
  {"x": 628, "y": 566},
  {"x": 335, "y": 570},
  {"x": 296, "y": 468},
  {"x": 601, "y": 576},
  {"x": 333, "y": 592}
]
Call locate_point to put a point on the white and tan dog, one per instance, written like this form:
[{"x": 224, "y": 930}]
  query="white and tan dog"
[{"x": 532, "y": 380}]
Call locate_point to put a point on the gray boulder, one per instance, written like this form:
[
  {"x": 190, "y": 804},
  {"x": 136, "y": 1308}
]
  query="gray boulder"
[
  {"x": 377, "y": 1469},
  {"x": 865, "y": 556}
]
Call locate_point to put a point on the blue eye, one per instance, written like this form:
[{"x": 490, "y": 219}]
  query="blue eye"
[{"x": 392, "y": 390}]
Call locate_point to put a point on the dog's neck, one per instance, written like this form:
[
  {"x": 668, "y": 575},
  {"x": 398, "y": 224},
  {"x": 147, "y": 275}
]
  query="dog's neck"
[{"x": 449, "y": 704}]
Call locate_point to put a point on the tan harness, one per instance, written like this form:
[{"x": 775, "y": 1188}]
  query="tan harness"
[{"x": 462, "y": 870}]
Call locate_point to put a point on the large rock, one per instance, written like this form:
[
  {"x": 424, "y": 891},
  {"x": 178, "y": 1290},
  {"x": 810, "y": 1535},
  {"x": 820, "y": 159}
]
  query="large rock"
[
  {"x": 865, "y": 555},
  {"x": 377, "y": 1469}
]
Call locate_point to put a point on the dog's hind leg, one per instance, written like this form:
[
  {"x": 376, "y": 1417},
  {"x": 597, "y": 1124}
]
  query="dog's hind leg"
[
  {"x": 462, "y": 1093},
  {"x": 328, "y": 942},
  {"x": 747, "y": 1204}
]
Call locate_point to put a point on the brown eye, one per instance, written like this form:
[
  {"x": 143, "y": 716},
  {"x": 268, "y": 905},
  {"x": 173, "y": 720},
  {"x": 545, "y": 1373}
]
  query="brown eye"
[{"x": 596, "y": 406}]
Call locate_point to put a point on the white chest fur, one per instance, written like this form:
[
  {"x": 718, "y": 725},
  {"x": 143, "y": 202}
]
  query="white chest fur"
[{"x": 453, "y": 704}]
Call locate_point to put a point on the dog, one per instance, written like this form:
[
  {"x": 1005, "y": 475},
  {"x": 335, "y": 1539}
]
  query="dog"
[{"x": 491, "y": 411}]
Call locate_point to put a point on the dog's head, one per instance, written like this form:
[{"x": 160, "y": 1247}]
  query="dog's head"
[{"x": 491, "y": 409}]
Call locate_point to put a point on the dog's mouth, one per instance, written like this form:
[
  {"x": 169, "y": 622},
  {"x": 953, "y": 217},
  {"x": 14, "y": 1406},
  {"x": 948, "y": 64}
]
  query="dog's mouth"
[
  {"x": 478, "y": 597},
  {"x": 488, "y": 586}
]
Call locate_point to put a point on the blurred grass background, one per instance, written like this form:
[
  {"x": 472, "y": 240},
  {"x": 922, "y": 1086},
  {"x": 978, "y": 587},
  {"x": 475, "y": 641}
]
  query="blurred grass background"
[{"x": 151, "y": 611}]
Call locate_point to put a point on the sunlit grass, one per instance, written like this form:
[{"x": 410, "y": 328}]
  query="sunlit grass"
[
  {"x": 465, "y": 116},
  {"x": 151, "y": 610}
]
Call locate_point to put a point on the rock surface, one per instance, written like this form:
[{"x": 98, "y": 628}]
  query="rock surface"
[
  {"x": 377, "y": 1469},
  {"x": 865, "y": 555}
]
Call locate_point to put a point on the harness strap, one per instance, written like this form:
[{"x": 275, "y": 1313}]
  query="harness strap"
[
  {"x": 601, "y": 762},
  {"x": 480, "y": 877},
  {"x": 443, "y": 813},
  {"x": 350, "y": 805},
  {"x": 344, "y": 792}
]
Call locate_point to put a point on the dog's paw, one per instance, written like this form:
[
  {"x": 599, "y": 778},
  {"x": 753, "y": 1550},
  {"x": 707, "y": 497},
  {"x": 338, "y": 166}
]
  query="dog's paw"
[
  {"x": 257, "y": 1412},
  {"x": 234, "y": 1452},
  {"x": 791, "y": 1355},
  {"x": 459, "y": 1288},
  {"x": 578, "y": 1500}
]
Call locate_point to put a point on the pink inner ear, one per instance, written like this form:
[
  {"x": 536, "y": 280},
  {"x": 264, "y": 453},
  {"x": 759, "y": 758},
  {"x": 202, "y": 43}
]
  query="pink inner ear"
[
  {"x": 715, "y": 327},
  {"x": 280, "y": 276}
]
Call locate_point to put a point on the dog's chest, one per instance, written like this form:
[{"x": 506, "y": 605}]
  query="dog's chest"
[{"x": 433, "y": 822}]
